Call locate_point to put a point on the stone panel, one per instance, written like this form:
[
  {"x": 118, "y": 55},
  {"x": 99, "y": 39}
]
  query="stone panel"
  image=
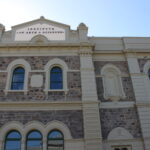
[
  {"x": 127, "y": 86},
  {"x": 38, "y": 62},
  {"x": 73, "y": 119},
  {"x": 122, "y": 65},
  {"x": 121, "y": 117},
  {"x": 74, "y": 86}
]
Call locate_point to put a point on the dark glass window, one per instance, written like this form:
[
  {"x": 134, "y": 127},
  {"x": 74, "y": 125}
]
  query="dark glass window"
[
  {"x": 17, "y": 82},
  {"x": 149, "y": 73},
  {"x": 55, "y": 140},
  {"x": 56, "y": 81},
  {"x": 34, "y": 141},
  {"x": 13, "y": 141},
  {"x": 120, "y": 149}
]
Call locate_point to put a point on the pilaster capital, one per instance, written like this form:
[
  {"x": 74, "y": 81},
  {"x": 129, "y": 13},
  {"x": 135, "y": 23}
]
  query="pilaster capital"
[
  {"x": 85, "y": 52},
  {"x": 130, "y": 54}
]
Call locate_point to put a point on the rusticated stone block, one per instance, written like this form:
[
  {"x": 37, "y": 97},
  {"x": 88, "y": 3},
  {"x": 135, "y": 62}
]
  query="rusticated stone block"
[
  {"x": 120, "y": 117},
  {"x": 128, "y": 89},
  {"x": 72, "y": 118},
  {"x": 38, "y": 62}
]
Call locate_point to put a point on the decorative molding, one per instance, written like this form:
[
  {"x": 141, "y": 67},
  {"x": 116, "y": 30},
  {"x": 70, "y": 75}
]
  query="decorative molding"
[
  {"x": 119, "y": 133},
  {"x": 55, "y": 124},
  {"x": 117, "y": 104},
  {"x": 34, "y": 125}
]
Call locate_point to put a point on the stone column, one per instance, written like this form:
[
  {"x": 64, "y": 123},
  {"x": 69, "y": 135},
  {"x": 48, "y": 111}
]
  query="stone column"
[
  {"x": 23, "y": 143},
  {"x": 142, "y": 103},
  {"x": 45, "y": 143},
  {"x": 92, "y": 127}
]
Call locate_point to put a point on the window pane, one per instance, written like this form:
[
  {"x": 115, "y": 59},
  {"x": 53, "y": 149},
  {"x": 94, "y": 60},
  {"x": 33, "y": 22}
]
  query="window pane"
[
  {"x": 13, "y": 141},
  {"x": 55, "y": 134},
  {"x": 18, "y": 78},
  {"x": 34, "y": 145},
  {"x": 55, "y": 141},
  {"x": 17, "y": 86},
  {"x": 56, "y": 78},
  {"x": 19, "y": 70},
  {"x": 13, "y": 145},
  {"x": 56, "y": 70},
  {"x": 35, "y": 135},
  {"x": 14, "y": 134},
  {"x": 149, "y": 73},
  {"x": 56, "y": 85}
]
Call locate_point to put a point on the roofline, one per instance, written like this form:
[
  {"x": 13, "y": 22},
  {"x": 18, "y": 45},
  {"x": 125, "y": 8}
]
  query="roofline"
[{"x": 40, "y": 19}]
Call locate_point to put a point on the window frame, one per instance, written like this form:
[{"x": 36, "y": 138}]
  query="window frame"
[
  {"x": 148, "y": 73},
  {"x": 56, "y": 63},
  {"x": 14, "y": 64}
]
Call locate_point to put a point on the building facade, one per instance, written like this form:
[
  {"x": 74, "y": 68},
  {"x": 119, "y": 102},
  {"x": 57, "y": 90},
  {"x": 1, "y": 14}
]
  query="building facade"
[{"x": 63, "y": 90}]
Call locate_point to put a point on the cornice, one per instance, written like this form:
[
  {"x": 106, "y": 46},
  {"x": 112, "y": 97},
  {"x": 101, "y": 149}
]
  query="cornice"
[
  {"x": 38, "y": 105},
  {"x": 9, "y": 45},
  {"x": 45, "y": 105},
  {"x": 143, "y": 104}
]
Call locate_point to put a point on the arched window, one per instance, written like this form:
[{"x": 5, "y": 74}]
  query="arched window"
[
  {"x": 56, "y": 78},
  {"x": 34, "y": 141},
  {"x": 149, "y": 73},
  {"x": 13, "y": 141},
  {"x": 55, "y": 140},
  {"x": 17, "y": 82}
]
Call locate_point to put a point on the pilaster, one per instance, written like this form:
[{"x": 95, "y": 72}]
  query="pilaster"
[
  {"x": 92, "y": 127},
  {"x": 137, "y": 78},
  {"x": 138, "y": 81}
]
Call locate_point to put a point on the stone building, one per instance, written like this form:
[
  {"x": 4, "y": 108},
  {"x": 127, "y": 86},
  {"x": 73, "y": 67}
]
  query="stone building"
[{"x": 63, "y": 90}]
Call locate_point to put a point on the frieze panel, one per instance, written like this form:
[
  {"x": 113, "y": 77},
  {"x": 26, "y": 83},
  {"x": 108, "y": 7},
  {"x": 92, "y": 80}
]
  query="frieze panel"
[{"x": 121, "y": 117}]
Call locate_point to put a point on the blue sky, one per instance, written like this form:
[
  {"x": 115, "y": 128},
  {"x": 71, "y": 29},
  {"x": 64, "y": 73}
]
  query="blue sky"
[{"x": 112, "y": 18}]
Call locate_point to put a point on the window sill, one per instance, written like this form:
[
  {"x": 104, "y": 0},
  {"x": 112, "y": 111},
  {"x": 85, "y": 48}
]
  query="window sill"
[
  {"x": 56, "y": 90},
  {"x": 16, "y": 91}
]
